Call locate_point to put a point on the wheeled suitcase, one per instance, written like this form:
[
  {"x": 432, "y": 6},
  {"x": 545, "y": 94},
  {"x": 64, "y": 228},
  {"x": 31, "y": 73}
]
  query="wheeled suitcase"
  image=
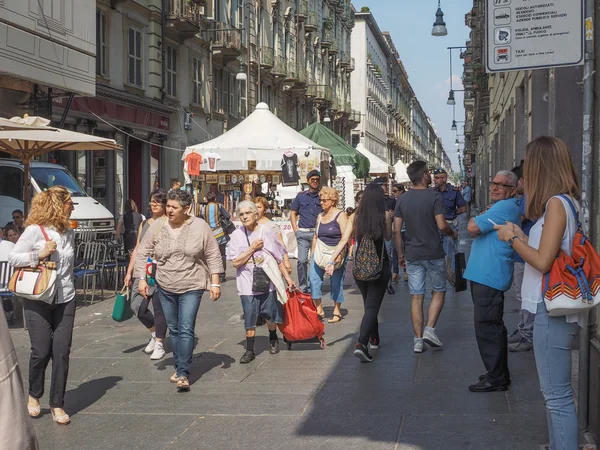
[{"x": 301, "y": 322}]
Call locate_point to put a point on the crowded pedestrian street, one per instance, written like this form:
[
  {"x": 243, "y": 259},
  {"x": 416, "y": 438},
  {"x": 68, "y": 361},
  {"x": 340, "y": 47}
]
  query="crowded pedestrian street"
[{"x": 303, "y": 398}]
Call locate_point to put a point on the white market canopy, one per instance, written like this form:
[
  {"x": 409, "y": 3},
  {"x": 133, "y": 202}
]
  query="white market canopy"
[
  {"x": 401, "y": 174},
  {"x": 378, "y": 165},
  {"x": 260, "y": 137}
]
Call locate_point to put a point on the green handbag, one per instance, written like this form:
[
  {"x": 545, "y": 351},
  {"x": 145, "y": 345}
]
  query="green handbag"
[{"x": 122, "y": 309}]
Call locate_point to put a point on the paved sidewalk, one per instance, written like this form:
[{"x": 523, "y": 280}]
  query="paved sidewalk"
[{"x": 306, "y": 398}]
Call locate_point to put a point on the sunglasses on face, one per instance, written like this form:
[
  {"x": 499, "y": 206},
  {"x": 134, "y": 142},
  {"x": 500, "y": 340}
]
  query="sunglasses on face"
[{"x": 16, "y": 217}]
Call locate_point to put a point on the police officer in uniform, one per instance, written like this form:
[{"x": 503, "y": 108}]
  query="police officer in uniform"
[{"x": 454, "y": 205}]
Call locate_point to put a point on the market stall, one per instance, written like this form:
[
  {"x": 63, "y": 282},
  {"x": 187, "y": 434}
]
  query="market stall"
[
  {"x": 349, "y": 164},
  {"x": 401, "y": 175},
  {"x": 378, "y": 167},
  {"x": 261, "y": 149}
]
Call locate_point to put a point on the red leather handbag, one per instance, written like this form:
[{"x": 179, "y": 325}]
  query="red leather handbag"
[{"x": 300, "y": 319}]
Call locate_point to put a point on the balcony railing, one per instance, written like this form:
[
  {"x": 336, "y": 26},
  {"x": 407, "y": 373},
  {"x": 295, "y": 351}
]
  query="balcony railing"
[
  {"x": 302, "y": 74},
  {"x": 267, "y": 57},
  {"x": 344, "y": 59},
  {"x": 183, "y": 19},
  {"x": 280, "y": 66},
  {"x": 352, "y": 65},
  {"x": 225, "y": 36},
  {"x": 311, "y": 21},
  {"x": 326, "y": 38},
  {"x": 334, "y": 48}
]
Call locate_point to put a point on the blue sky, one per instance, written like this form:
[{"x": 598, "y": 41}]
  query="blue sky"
[{"x": 426, "y": 57}]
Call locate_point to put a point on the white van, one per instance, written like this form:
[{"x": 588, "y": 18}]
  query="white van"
[{"x": 88, "y": 212}]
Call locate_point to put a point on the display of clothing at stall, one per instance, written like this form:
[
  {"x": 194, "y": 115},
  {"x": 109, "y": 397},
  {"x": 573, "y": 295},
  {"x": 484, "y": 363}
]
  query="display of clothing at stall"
[
  {"x": 332, "y": 169},
  {"x": 193, "y": 161},
  {"x": 289, "y": 169},
  {"x": 212, "y": 158}
]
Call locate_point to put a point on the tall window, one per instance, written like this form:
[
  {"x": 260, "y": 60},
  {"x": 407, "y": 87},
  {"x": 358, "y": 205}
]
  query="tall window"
[
  {"x": 171, "y": 71},
  {"x": 134, "y": 57},
  {"x": 197, "y": 81},
  {"x": 100, "y": 43}
]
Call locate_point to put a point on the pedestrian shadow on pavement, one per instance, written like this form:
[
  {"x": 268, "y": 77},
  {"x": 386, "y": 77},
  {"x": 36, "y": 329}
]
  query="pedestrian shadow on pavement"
[
  {"x": 88, "y": 393},
  {"x": 202, "y": 363},
  {"x": 342, "y": 339},
  {"x": 135, "y": 349}
]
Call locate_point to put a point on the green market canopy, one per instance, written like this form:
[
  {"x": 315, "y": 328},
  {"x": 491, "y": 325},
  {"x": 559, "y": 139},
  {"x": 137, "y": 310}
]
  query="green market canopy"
[{"x": 343, "y": 153}]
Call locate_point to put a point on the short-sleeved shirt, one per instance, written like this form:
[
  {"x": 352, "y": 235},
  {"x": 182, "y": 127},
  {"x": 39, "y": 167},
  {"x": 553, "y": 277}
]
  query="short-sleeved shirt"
[
  {"x": 453, "y": 200},
  {"x": 418, "y": 208},
  {"x": 308, "y": 206},
  {"x": 239, "y": 244},
  {"x": 526, "y": 225},
  {"x": 390, "y": 204},
  {"x": 491, "y": 260}
]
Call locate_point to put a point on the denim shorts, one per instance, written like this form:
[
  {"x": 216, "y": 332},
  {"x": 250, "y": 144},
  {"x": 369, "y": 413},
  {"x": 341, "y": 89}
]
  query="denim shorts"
[
  {"x": 265, "y": 305},
  {"x": 418, "y": 272}
]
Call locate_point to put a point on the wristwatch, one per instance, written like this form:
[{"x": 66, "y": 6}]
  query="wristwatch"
[{"x": 512, "y": 240}]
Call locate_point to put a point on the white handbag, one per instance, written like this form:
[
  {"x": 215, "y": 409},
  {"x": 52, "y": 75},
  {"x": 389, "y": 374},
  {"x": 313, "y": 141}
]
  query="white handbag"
[
  {"x": 323, "y": 253},
  {"x": 38, "y": 283}
]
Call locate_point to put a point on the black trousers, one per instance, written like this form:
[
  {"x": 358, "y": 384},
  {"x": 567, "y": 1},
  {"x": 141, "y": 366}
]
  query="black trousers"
[
  {"x": 372, "y": 294},
  {"x": 157, "y": 319},
  {"x": 491, "y": 334},
  {"x": 222, "y": 250},
  {"x": 51, "y": 332}
]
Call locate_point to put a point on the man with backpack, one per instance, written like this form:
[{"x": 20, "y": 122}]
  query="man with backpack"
[{"x": 422, "y": 209}]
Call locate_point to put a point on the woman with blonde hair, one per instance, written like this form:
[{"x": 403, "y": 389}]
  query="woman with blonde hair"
[
  {"x": 331, "y": 224},
  {"x": 262, "y": 205},
  {"x": 552, "y": 190},
  {"x": 50, "y": 325}
]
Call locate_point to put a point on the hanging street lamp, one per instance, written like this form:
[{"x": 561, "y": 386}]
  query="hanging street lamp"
[
  {"x": 439, "y": 26},
  {"x": 451, "y": 100}
]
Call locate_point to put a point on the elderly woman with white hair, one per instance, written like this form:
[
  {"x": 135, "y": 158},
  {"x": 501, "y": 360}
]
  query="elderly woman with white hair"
[{"x": 250, "y": 248}]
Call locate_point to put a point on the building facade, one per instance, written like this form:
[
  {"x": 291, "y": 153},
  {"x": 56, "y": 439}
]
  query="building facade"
[
  {"x": 165, "y": 74},
  {"x": 394, "y": 126}
]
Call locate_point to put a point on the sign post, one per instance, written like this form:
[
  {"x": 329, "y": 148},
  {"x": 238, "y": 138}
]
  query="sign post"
[{"x": 534, "y": 34}]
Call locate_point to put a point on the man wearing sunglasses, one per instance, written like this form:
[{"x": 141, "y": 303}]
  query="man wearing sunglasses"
[
  {"x": 490, "y": 270},
  {"x": 17, "y": 221}
]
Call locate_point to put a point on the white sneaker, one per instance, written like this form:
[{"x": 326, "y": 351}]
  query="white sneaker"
[
  {"x": 159, "y": 351},
  {"x": 150, "y": 347},
  {"x": 431, "y": 338},
  {"x": 420, "y": 346}
]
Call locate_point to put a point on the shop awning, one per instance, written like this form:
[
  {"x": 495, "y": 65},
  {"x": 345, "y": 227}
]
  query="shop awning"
[
  {"x": 378, "y": 165},
  {"x": 401, "y": 175},
  {"x": 343, "y": 153},
  {"x": 260, "y": 137}
]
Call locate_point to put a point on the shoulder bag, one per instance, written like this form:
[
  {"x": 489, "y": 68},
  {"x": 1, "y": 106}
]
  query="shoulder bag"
[
  {"x": 260, "y": 281},
  {"x": 37, "y": 283},
  {"x": 573, "y": 283},
  {"x": 226, "y": 223},
  {"x": 323, "y": 252}
]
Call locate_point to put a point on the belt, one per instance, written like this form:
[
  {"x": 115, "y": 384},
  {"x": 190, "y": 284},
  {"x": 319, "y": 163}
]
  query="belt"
[{"x": 310, "y": 230}]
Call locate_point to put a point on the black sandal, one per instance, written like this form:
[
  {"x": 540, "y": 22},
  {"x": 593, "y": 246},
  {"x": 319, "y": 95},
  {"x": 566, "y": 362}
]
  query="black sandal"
[{"x": 338, "y": 316}]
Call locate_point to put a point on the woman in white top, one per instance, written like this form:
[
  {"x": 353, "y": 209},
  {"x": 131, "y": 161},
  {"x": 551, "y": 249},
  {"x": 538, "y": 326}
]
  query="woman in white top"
[
  {"x": 549, "y": 172},
  {"x": 262, "y": 205},
  {"x": 50, "y": 324}
]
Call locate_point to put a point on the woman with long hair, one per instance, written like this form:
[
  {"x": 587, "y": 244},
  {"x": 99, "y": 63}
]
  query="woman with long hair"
[
  {"x": 262, "y": 205},
  {"x": 549, "y": 172},
  {"x": 371, "y": 220},
  {"x": 50, "y": 325},
  {"x": 188, "y": 263},
  {"x": 331, "y": 224},
  {"x": 155, "y": 323}
]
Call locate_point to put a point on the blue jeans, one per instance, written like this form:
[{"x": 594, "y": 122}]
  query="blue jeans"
[
  {"x": 552, "y": 345},
  {"x": 304, "y": 240},
  {"x": 418, "y": 271},
  {"x": 393, "y": 256},
  {"x": 180, "y": 311},
  {"x": 337, "y": 282}
]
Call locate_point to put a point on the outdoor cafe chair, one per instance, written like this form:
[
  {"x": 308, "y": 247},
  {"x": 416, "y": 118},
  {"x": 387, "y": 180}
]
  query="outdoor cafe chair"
[
  {"x": 116, "y": 263},
  {"x": 90, "y": 266},
  {"x": 6, "y": 271}
]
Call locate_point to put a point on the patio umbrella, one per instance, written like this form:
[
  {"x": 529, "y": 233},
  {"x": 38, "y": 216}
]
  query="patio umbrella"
[{"x": 29, "y": 137}]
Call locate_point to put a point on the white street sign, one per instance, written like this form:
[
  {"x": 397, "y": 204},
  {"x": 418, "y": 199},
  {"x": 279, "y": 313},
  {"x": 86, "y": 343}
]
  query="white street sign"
[{"x": 534, "y": 34}]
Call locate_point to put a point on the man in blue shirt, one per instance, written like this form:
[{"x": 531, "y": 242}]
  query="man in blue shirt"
[
  {"x": 521, "y": 340},
  {"x": 306, "y": 207},
  {"x": 490, "y": 270},
  {"x": 454, "y": 205}
]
